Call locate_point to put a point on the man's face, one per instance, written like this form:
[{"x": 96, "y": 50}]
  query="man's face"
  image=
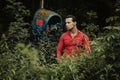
[{"x": 69, "y": 24}]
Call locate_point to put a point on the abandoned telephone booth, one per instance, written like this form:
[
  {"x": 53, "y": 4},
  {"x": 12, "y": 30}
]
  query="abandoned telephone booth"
[{"x": 45, "y": 22}]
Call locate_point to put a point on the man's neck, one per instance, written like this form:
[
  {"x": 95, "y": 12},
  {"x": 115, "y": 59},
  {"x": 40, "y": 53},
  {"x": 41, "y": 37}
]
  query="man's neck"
[{"x": 73, "y": 32}]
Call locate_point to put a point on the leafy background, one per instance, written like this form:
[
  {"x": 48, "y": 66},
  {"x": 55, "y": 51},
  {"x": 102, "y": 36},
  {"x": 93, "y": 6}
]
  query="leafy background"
[{"x": 22, "y": 58}]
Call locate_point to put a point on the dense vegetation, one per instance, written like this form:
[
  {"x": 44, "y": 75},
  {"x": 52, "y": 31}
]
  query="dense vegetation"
[{"x": 21, "y": 58}]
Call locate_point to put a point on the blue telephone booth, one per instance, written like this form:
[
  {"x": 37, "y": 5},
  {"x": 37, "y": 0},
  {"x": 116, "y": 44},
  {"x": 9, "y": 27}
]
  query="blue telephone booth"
[{"x": 45, "y": 21}]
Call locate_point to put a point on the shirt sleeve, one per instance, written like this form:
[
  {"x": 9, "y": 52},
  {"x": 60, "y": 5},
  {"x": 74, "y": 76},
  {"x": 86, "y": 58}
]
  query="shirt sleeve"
[
  {"x": 86, "y": 43},
  {"x": 60, "y": 47}
]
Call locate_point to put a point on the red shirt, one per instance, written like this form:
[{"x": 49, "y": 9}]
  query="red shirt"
[{"x": 70, "y": 44}]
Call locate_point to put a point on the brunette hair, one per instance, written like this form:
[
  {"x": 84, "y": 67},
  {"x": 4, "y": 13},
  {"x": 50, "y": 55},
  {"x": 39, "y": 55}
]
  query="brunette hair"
[{"x": 71, "y": 16}]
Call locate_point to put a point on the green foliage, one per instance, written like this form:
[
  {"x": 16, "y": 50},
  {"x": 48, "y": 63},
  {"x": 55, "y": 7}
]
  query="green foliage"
[
  {"x": 16, "y": 9},
  {"x": 18, "y": 29},
  {"x": 22, "y": 64},
  {"x": 90, "y": 26},
  {"x": 21, "y": 59}
]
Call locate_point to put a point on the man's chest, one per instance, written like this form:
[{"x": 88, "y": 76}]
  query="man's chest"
[{"x": 69, "y": 41}]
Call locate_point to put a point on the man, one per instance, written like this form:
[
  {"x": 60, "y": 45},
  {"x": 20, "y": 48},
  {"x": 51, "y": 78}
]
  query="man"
[{"x": 73, "y": 41}]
